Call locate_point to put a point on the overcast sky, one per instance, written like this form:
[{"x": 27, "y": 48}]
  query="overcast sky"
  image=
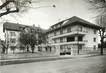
[{"x": 47, "y": 16}]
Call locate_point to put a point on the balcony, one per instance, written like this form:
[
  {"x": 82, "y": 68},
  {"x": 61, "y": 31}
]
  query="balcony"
[
  {"x": 70, "y": 34},
  {"x": 70, "y": 43}
]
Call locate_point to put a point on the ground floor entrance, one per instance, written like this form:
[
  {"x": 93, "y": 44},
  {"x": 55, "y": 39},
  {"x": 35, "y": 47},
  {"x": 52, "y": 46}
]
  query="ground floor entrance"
[
  {"x": 65, "y": 50},
  {"x": 70, "y": 49}
]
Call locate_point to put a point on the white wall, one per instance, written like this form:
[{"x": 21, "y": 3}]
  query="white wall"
[
  {"x": 8, "y": 36},
  {"x": 89, "y": 38}
]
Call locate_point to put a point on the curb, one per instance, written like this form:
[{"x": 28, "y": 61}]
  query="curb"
[{"x": 20, "y": 61}]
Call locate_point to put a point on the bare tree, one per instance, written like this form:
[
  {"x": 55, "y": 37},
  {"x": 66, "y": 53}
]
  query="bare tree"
[
  {"x": 100, "y": 7},
  {"x": 15, "y": 6},
  {"x": 12, "y": 6},
  {"x": 98, "y": 4}
]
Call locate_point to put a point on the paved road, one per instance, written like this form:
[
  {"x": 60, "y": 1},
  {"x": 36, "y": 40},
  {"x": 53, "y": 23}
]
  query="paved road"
[{"x": 96, "y": 64}]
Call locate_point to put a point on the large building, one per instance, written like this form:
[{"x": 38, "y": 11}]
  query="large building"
[{"x": 72, "y": 35}]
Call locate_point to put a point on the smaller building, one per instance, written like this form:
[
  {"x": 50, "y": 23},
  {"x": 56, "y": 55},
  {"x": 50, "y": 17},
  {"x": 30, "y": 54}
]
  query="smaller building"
[
  {"x": 2, "y": 46},
  {"x": 12, "y": 32}
]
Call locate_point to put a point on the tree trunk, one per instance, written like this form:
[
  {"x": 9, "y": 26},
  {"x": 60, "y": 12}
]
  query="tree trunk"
[
  {"x": 101, "y": 50},
  {"x": 6, "y": 50},
  {"x": 13, "y": 51},
  {"x": 32, "y": 49},
  {"x": 78, "y": 50},
  {"x": 101, "y": 32},
  {"x": 27, "y": 49},
  {"x": 3, "y": 50}
]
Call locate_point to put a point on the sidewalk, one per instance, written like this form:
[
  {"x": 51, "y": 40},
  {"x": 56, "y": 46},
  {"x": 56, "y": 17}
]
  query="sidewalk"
[{"x": 40, "y": 59}]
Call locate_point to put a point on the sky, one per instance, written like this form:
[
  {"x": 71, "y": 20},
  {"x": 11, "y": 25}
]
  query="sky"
[{"x": 46, "y": 15}]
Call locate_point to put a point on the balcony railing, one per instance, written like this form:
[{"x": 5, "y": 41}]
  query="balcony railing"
[
  {"x": 73, "y": 42},
  {"x": 69, "y": 34}
]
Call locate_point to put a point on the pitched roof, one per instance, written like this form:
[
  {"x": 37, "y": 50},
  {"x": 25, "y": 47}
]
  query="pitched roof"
[
  {"x": 12, "y": 26},
  {"x": 77, "y": 19},
  {"x": 18, "y": 27}
]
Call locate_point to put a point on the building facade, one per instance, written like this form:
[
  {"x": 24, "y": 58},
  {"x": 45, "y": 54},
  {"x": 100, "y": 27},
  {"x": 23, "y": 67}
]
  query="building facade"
[
  {"x": 72, "y": 35},
  {"x": 12, "y": 32}
]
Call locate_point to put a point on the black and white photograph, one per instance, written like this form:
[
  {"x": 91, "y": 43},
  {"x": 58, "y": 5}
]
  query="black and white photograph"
[{"x": 52, "y": 36}]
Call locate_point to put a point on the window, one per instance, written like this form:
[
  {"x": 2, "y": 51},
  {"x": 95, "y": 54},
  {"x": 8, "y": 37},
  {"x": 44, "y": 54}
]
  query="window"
[
  {"x": 80, "y": 28},
  {"x": 12, "y": 34},
  {"x": 94, "y": 31},
  {"x": 94, "y": 39},
  {"x": 69, "y": 29},
  {"x": 80, "y": 47},
  {"x": 61, "y": 31},
  {"x": 94, "y": 47},
  {"x": 61, "y": 39},
  {"x": 80, "y": 38},
  {"x": 70, "y": 39},
  {"x": 61, "y": 48},
  {"x": 55, "y": 41},
  {"x": 13, "y": 40},
  {"x": 54, "y": 33}
]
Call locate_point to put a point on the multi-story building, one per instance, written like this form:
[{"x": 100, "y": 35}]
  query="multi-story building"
[
  {"x": 12, "y": 32},
  {"x": 72, "y": 35}
]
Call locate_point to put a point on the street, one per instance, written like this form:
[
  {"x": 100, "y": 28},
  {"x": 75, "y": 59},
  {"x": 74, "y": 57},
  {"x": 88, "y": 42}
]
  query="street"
[{"x": 95, "y": 64}]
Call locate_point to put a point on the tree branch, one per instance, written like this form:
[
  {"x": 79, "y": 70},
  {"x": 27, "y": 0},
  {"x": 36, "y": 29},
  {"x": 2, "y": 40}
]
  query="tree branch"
[
  {"x": 6, "y": 3},
  {"x": 8, "y": 12}
]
